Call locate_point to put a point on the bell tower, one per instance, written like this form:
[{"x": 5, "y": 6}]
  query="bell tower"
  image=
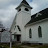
[
  {"x": 22, "y": 17},
  {"x": 24, "y": 12}
]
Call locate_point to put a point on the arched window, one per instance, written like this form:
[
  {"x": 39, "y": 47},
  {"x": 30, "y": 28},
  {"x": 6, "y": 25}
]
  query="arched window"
[
  {"x": 39, "y": 31},
  {"x": 14, "y": 27},
  {"x": 30, "y": 33},
  {"x": 18, "y": 28},
  {"x": 26, "y": 9},
  {"x": 19, "y": 10}
]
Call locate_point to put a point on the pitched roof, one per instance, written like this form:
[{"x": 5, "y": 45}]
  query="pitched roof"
[
  {"x": 44, "y": 14},
  {"x": 25, "y": 3}
]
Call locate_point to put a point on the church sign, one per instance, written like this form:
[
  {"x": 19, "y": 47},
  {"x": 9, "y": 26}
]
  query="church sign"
[{"x": 5, "y": 37}]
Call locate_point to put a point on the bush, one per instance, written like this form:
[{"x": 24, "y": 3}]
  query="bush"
[
  {"x": 0, "y": 46},
  {"x": 3, "y": 47}
]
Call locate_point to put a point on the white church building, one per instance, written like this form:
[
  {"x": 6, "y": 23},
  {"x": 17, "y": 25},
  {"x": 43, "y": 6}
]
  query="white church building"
[{"x": 30, "y": 28}]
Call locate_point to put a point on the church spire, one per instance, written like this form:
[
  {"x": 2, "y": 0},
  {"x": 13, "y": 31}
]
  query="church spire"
[
  {"x": 23, "y": 0},
  {"x": 24, "y": 3}
]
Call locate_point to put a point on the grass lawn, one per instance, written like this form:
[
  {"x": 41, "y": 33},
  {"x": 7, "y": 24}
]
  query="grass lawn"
[
  {"x": 43, "y": 46},
  {"x": 40, "y": 46},
  {"x": 19, "y": 46},
  {"x": 7, "y": 46}
]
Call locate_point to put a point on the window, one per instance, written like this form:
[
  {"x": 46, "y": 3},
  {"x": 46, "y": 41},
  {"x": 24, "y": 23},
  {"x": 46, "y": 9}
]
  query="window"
[
  {"x": 38, "y": 14},
  {"x": 19, "y": 10},
  {"x": 14, "y": 27},
  {"x": 18, "y": 28},
  {"x": 26, "y": 9},
  {"x": 39, "y": 31},
  {"x": 14, "y": 36},
  {"x": 30, "y": 33}
]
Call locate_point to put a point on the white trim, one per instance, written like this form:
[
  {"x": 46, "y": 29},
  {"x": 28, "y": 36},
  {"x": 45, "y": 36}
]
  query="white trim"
[
  {"x": 23, "y": 11},
  {"x": 24, "y": 5}
]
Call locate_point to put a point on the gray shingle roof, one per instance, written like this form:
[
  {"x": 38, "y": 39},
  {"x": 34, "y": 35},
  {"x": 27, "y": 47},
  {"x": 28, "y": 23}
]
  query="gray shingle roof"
[{"x": 40, "y": 17}]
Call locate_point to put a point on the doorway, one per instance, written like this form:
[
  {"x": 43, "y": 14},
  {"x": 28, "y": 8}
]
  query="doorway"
[{"x": 18, "y": 38}]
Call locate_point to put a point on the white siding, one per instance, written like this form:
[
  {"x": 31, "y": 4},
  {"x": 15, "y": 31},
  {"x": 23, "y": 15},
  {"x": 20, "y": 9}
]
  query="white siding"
[{"x": 35, "y": 38}]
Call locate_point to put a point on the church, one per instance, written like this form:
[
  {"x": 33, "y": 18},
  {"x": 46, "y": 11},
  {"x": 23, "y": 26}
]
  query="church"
[{"x": 30, "y": 28}]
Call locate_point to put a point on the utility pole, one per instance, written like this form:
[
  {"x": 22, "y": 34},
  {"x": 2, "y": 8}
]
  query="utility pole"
[
  {"x": 10, "y": 40},
  {"x": 0, "y": 37}
]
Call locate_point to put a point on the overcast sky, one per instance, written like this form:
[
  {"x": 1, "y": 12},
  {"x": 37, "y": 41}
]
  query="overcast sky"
[{"x": 7, "y": 9}]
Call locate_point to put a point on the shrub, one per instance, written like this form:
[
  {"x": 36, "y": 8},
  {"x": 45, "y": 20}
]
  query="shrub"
[{"x": 0, "y": 46}]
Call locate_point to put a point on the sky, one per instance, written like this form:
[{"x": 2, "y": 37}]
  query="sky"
[{"x": 8, "y": 12}]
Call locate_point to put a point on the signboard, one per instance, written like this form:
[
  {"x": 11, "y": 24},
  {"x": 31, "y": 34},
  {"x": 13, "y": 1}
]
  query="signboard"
[{"x": 5, "y": 37}]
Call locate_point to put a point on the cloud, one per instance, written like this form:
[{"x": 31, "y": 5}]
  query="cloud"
[
  {"x": 38, "y": 5},
  {"x": 29, "y": 0},
  {"x": 5, "y": 3},
  {"x": 8, "y": 12},
  {"x": 7, "y": 15}
]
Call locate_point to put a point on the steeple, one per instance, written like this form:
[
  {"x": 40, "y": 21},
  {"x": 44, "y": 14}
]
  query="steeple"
[
  {"x": 24, "y": 3},
  {"x": 23, "y": 13}
]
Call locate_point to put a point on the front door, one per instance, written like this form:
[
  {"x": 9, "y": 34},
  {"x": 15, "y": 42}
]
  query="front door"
[{"x": 19, "y": 38}]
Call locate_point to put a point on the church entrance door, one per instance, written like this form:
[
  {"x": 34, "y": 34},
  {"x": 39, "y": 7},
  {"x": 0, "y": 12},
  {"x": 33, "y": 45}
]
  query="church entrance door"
[{"x": 18, "y": 38}]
